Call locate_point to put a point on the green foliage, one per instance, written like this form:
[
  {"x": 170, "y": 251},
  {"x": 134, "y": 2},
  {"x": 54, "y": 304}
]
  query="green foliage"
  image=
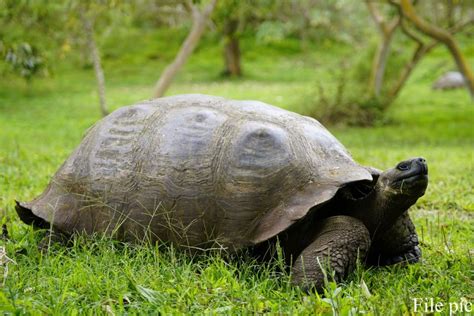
[
  {"x": 316, "y": 21},
  {"x": 345, "y": 99},
  {"x": 270, "y": 31},
  {"x": 23, "y": 27},
  {"x": 233, "y": 17},
  {"x": 23, "y": 59},
  {"x": 342, "y": 98},
  {"x": 36, "y": 34}
]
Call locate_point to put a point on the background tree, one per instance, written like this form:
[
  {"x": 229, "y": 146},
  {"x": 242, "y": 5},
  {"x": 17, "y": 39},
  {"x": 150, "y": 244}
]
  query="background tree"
[
  {"x": 229, "y": 18},
  {"x": 388, "y": 91},
  {"x": 408, "y": 11},
  {"x": 84, "y": 21},
  {"x": 200, "y": 19},
  {"x": 87, "y": 16},
  {"x": 22, "y": 50},
  {"x": 386, "y": 30},
  {"x": 24, "y": 59},
  {"x": 323, "y": 21},
  {"x": 49, "y": 30},
  {"x": 81, "y": 28},
  {"x": 236, "y": 18},
  {"x": 399, "y": 49}
]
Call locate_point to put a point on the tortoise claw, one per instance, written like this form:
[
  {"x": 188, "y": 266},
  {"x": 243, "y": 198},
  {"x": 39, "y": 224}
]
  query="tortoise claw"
[{"x": 411, "y": 256}]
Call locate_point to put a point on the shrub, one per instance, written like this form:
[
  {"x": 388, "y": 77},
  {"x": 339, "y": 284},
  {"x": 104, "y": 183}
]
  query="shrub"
[
  {"x": 24, "y": 59},
  {"x": 345, "y": 99}
]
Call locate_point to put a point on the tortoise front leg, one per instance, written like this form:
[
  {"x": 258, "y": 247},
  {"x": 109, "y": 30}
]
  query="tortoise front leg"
[
  {"x": 339, "y": 242},
  {"x": 397, "y": 244}
]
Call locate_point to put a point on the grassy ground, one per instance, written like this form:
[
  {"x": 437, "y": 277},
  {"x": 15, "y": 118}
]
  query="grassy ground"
[{"x": 40, "y": 125}]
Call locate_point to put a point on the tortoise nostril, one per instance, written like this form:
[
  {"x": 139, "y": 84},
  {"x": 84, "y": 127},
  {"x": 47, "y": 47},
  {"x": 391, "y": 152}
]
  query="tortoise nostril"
[{"x": 424, "y": 166}]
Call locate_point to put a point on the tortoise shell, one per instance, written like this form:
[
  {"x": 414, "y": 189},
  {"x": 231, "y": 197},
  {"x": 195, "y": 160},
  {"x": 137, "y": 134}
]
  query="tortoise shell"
[{"x": 196, "y": 170}]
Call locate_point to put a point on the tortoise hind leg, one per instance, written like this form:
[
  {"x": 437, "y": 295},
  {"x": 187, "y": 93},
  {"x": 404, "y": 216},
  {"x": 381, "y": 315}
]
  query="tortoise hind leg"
[
  {"x": 397, "y": 244},
  {"x": 339, "y": 242}
]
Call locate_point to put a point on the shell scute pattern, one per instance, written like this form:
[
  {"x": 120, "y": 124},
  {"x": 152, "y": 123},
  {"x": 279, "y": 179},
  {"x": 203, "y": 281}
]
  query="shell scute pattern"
[
  {"x": 260, "y": 148},
  {"x": 191, "y": 169}
]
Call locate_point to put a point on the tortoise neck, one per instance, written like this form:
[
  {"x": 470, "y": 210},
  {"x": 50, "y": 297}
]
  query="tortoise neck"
[{"x": 379, "y": 211}]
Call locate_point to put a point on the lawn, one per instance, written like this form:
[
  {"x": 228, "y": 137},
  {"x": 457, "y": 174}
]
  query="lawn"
[{"x": 40, "y": 125}]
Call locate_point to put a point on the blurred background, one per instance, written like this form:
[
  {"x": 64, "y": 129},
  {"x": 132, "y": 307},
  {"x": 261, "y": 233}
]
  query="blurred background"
[{"x": 343, "y": 62}]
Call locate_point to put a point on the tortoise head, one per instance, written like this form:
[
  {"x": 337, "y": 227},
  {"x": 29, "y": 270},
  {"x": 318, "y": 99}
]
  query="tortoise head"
[
  {"x": 405, "y": 183},
  {"x": 390, "y": 194},
  {"x": 397, "y": 189}
]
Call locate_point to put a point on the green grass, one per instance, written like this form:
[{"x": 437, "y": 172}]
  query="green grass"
[{"x": 40, "y": 126}]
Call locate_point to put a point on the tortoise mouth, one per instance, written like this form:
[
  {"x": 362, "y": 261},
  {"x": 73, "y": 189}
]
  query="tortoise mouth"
[
  {"x": 412, "y": 184},
  {"x": 419, "y": 177},
  {"x": 412, "y": 176}
]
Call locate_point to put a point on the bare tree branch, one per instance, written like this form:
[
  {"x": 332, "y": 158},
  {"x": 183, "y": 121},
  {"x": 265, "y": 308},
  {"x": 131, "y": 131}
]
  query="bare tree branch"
[
  {"x": 409, "y": 33},
  {"x": 200, "y": 20},
  {"x": 420, "y": 51},
  {"x": 379, "y": 20},
  {"x": 386, "y": 30},
  {"x": 440, "y": 35},
  {"x": 88, "y": 25}
]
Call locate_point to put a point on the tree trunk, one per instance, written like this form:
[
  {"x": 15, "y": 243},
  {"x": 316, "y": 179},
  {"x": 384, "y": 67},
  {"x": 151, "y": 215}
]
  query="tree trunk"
[
  {"x": 232, "y": 57},
  {"x": 443, "y": 36},
  {"x": 420, "y": 51},
  {"x": 95, "y": 55},
  {"x": 199, "y": 24},
  {"x": 450, "y": 13},
  {"x": 380, "y": 62},
  {"x": 383, "y": 50},
  {"x": 407, "y": 70},
  {"x": 231, "y": 50}
]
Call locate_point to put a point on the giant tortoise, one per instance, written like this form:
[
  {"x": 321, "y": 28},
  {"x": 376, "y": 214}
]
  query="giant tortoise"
[{"x": 200, "y": 171}]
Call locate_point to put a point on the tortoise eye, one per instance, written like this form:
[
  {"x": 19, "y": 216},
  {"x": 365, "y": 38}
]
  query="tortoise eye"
[{"x": 403, "y": 166}]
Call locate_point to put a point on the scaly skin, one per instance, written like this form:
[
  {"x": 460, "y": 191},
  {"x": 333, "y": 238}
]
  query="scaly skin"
[
  {"x": 340, "y": 241},
  {"x": 398, "y": 244}
]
